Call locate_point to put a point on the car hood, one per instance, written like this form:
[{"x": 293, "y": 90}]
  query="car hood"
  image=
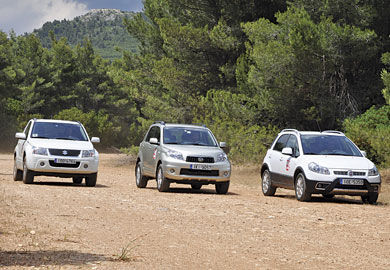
[
  {"x": 195, "y": 150},
  {"x": 61, "y": 144},
  {"x": 341, "y": 162}
]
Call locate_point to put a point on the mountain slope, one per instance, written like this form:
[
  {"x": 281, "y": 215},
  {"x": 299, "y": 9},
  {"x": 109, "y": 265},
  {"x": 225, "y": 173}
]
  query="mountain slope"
[{"x": 104, "y": 27}]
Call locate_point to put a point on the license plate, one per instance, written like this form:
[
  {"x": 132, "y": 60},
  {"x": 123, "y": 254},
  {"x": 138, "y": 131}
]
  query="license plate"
[
  {"x": 356, "y": 182},
  {"x": 64, "y": 161},
  {"x": 200, "y": 167}
]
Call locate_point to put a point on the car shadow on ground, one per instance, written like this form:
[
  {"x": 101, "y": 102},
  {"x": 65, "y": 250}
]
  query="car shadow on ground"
[
  {"x": 66, "y": 184},
  {"x": 320, "y": 199},
  {"x": 48, "y": 258},
  {"x": 204, "y": 191}
]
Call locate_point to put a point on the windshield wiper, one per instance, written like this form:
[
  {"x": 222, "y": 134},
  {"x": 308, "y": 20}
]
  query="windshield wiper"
[
  {"x": 311, "y": 153},
  {"x": 69, "y": 139},
  {"x": 338, "y": 154},
  {"x": 171, "y": 143},
  {"x": 41, "y": 137}
]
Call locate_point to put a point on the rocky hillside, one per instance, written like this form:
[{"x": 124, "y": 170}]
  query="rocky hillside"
[{"x": 104, "y": 27}]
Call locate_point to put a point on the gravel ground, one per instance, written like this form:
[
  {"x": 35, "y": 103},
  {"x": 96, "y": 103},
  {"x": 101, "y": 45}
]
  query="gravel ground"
[{"x": 53, "y": 224}]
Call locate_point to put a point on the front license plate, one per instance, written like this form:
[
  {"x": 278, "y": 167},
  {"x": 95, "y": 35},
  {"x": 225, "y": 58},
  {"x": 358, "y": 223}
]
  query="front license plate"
[
  {"x": 64, "y": 161},
  {"x": 356, "y": 182},
  {"x": 200, "y": 167}
]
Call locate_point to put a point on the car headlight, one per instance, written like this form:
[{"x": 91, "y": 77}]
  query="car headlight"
[
  {"x": 175, "y": 154},
  {"x": 221, "y": 157},
  {"x": 373, "y": 171},
  {"x": 314, "y": 167},
  {"x": 39, "y": 151},
  {"x": 88, "y": 153}
]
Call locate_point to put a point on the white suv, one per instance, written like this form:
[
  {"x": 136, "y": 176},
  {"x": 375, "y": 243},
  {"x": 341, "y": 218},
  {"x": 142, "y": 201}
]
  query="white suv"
[
  {"x": 326, "y": 163},
  {"x": 55, "y": 148},
  {"x": 185, "y": 154}
]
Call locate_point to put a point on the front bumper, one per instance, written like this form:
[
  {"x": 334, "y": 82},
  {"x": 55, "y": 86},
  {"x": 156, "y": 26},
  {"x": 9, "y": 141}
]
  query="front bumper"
[
  {"x": 45, "y": 165},
  {"x": 182, "y": 172}
]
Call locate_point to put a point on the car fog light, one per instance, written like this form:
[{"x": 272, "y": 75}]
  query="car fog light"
[
  {"x": 85, "y": 166},
  {"x": 172, "y": 170},
  {"x": 42, "y": 163},
  {"x": 226, "y": 173}
]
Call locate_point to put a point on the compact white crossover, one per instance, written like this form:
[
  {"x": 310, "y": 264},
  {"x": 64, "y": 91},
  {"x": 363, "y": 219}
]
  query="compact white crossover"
[
  {"x": 55, "y": 148},
  {"x": 326, "y": 163}
]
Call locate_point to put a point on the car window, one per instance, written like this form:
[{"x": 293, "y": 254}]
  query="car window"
[
  {"x": 293, "y": 143},
  {"x": 328, "y": 145},
  {"x": 27, "y": 129},
  {"x": 57, "y": 130},
  {"x": 281, "y": 142},
  {"x": 188, "y": 136},
  {"x": 154, "y": 132}
]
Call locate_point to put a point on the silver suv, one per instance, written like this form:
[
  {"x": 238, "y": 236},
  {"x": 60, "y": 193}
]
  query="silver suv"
[{"x": 185, "y": 154}]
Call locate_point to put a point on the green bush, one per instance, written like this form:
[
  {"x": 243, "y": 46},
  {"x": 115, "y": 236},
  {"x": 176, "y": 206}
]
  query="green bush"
[{"x": 371, "y": 132}]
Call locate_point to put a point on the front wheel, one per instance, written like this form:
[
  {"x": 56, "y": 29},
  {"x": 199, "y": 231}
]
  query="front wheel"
[
  {"x": 301, "y": 192},
  {"x": 162, "y": 181},
  {"x": 266, "y": 184},
  {"x": 77, "y": 180},
  {"x": 196, "y": 186},
  {"x": 17, "y": 174},
  {"x": 90, "y": 180},
  {"x": 372, "y": 197},
  {"x": 222, "y": 188},
  {"x": 28, "y": 176},
  {"x": 140, "y": 180}
]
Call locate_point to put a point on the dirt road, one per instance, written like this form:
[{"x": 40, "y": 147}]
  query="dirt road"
[{"x": 54, "y": 224}]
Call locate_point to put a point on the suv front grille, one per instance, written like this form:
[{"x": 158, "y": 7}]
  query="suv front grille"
[
  {"x": 199, "y": 172},
  {"x": 346, "y": 173},
  {"x": 200, "y": 159},
  {"x": 64, "y": 152}
]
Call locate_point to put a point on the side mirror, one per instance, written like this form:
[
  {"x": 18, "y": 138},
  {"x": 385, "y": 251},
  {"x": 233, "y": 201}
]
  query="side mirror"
[
  {"x": 364, "y": 153},
  {"x": 287, "y": 151},
  {"x": 95, "y": 140},
  {"x": 153, "y": 141},
  {"x": 20, "y": 135},
  {"x": 223, "y": 144}
]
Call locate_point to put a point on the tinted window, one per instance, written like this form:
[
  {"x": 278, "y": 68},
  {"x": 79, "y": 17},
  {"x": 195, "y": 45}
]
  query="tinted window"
[
  {"x": 61, "y": 131},
  {"x": 293, "y": 143},
  {"x": 154, "y": 132},
  {"x": 27, "y": 129},
  {"x": 189, "y": 136},
  {"x": 328, "y": 145},
  {"x": 281, "y": 142}
]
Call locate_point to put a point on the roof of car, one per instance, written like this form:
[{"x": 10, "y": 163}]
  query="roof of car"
[
  {"x": 56, "y": 121},
  {"x": 182, "y": 125},
  {"x": 327, "y": 132}
]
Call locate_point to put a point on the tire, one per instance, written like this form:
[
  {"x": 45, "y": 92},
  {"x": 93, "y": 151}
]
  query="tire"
[
  {"x": 364, "y": 198},
  {"x": 301, "y": 192},
  {"x": 90, "y": 180},
  {"x": 140, "y": 180},
  {"x": 162, "y": 181},
  {"x": 222, "y": 188},
  {"x": 196, "y": 186},
  {"x": 28, "y": 176},
  {"x": 328, "y": 196},
  {"x": 372, "y": 197},
  {"x": 266, "y": 184},
  {"x": 17, "y": 174},
  {"x": 77, "y": 180}
]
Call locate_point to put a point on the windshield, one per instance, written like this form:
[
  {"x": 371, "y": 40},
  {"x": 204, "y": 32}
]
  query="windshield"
[
  {"x": 188, "y": 136},
  {"x": 61, "y": 131},
  {"x": 328, "y": 145}
]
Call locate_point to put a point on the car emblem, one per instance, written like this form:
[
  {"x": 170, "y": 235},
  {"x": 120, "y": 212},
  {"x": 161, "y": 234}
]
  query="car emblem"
[
  {"x": 200, "y": 159},
  {"x": 350, "y": 173},
  {"x": 64, "y": 152}
]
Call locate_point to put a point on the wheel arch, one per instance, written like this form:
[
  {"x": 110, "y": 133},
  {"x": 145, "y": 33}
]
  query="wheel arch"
[
  {"x": 298, "y": 170},
  {"x": 263, "y": 168}
]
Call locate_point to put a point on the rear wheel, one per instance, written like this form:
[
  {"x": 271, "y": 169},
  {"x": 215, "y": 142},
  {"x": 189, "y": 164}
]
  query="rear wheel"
[
  {"x": 222, "y": 188},
  {"x": 140, "y": 180},
  {"x": 17, "y": 174},
  {"x": 301, "y": 192},
  {"x": 266, "y": 184},
  {"x": 162, "y": 181},
  {"x": 90, "y": 180},
  {"x": 77, "y": 180},
  {"x": 28, "y": 176},
  {"x": 196, "y": 186}
]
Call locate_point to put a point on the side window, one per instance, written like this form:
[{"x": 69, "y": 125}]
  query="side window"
[
  {"x": 154, "y": 132},
  {"x": 281, "y": 142},
  {"x": 150, "y": 133},
  {"x": 27, "y": 129},
  {"x": 293, "y": 143}
]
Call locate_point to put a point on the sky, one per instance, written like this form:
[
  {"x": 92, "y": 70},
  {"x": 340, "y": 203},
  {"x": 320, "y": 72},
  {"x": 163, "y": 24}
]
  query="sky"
[{"x": 23, "y": 16}]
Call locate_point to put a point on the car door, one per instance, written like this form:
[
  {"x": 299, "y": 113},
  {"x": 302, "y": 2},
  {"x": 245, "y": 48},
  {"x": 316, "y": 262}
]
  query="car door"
[
  {"x": 289, "y": 163},
  {"x": 149, "y": 151},
  {"x": 21, "y": 143},
  {"x": 277, "y": 159}
]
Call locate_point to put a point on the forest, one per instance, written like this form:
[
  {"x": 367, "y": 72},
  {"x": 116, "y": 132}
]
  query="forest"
[{"x": 245, "y": 68}]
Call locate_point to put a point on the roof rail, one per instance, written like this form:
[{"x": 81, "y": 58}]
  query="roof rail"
[
  {"x": 159, "y": 122},
  {"x": 290, "y": 130},
  {"x": 333, "y": 131},
  {"x": 199, "y": 124}
]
